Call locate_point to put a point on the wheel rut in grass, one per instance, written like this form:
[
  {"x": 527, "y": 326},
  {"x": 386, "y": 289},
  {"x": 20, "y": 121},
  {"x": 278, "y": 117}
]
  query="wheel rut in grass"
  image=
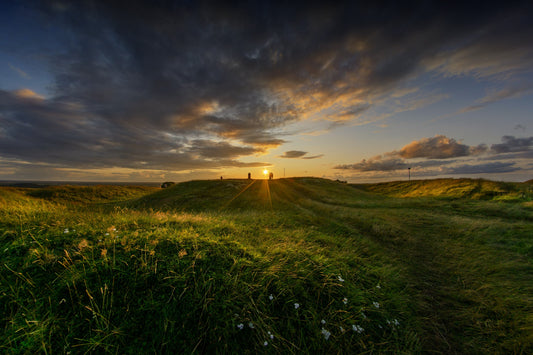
[
  {"x": 432, "y": 275},
  {"x": 412, "y": 243}
]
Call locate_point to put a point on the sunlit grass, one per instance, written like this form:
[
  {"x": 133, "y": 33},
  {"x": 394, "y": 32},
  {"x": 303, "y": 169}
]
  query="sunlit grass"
[
  {"x": 173, "y": 270},
  {"x": 478, "y": 189}
]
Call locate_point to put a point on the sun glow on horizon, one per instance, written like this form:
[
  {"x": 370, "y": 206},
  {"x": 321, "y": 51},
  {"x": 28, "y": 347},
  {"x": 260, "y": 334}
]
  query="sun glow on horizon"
[{"x": 265, "y": 172}]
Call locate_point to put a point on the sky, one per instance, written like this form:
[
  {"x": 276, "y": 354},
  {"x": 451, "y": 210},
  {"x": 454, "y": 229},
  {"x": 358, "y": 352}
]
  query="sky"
[{"x": 181, "y": 90}]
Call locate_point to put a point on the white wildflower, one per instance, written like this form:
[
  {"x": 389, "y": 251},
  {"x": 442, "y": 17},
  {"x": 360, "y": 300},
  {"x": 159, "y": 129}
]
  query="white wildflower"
[
  {"x": 378, "y": 286},
  {"x": 240, "y": 326},
  {"x": 265, "y": 343},
  {"x": 271, "y": 297},
  {"x": 376, "y": 304},
  {"x": 251, "y": 325},
  {"x": 107, "y": 234},
  {"x": 357, "y": 328},
  {"x": 364, "y": 315},
  {"x": 345, "y": 300},
  {"x": 325, "y": 333},
  {"x": 323, "y": 321},
  {"x": 296, "y": 305},
  {"x": 65, "y": 231},
  {"x": 270, "y": 335},
  {"x": 340, "y": 279}
]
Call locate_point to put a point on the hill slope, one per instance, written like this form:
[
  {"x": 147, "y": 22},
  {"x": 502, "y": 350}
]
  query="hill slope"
[
  {"x": 285, "y": 266},
  {"x": 477, "y": 189},
  {"x": 88, "y": 194},
  {"x": 220, "y": 195}
]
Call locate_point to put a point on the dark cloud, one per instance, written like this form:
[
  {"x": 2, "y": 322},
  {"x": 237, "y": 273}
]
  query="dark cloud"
[
  {"x": 376, "y": 164},
  {"x": 478, "y": 149},
  {"x": 528, "y": 154},
  {"x": 60, "y": 134},
  {"x": 430, "y": 168},
  {"x": 183, "y": 85},
  {"x": 438, "y": 147},
  {"x": 292, "y": 154},
  {"x": 387, "y": 163},
  {"x": 217, "y": 150},
  {"x": 487, "y": 168},
  {"x": 512, "y": 144}
]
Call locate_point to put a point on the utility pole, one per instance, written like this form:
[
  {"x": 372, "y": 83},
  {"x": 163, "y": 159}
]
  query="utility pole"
[{"x": 409, "y": 169}]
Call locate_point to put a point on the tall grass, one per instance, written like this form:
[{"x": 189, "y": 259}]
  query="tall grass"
[
  {"x": 309, "y": 266},
  {"x": 477, "y": 189}
]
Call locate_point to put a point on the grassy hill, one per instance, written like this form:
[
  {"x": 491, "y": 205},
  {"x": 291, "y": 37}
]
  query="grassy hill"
[
  {"x": 478, "y": 189},
  {"x": 285, "y": 266},
  {"x": 88, "y": 194}
]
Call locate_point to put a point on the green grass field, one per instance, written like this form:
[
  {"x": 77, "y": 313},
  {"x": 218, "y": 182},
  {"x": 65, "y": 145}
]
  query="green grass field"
[{"x": 288, "y": 266}]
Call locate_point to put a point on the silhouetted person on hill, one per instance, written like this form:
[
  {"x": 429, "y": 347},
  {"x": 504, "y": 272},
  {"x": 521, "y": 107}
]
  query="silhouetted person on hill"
[
  {"x": 270, "y": 176},
  {"x": 249, "y": 176}
]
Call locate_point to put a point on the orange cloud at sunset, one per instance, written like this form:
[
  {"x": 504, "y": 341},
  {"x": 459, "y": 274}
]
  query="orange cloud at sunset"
[{"x": 28, "y": 94}]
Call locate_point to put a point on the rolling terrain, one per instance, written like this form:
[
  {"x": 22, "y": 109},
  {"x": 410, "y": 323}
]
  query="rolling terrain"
[
  {"x": 285, "y": 266},
  {"x": 478, "y": 189}
]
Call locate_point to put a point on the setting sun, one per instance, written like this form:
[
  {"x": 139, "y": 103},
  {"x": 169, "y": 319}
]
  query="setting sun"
[{"x": 265, "y": 172}]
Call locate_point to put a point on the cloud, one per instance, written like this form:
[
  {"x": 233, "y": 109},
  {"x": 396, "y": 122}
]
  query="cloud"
[
  {"x": 293, "y": 154},
  {"x": 433, "y": 156},
  {"x": 216, "y": 150},
  {"x": 438, "y": 147},
  {"x": 349, "y": 114},
  {"x": 197, "y": 85},
  {"x": 512, "y": 144},
  {"x": 27, "y": 94},
  {"x": 487, "y": 168},
  {"x": 19, "y": 72},
  {"x": 494, "y": 50},
  {"x": 63, "y": 134},
  {"x": 498, "y": 96},
  {"x": 314, "y": 156},
  {"x": 387, "y": 163},
  {"x": 376, "y": 164},
  {"x": 403, "y": 92},
  {"x": 412, "y": 103},
  {"x": 315, "y": 133}
]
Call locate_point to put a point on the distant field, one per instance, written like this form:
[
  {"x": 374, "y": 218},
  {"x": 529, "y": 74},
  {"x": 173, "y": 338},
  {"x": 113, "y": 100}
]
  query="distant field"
[{"x": 301, "y": 265}]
